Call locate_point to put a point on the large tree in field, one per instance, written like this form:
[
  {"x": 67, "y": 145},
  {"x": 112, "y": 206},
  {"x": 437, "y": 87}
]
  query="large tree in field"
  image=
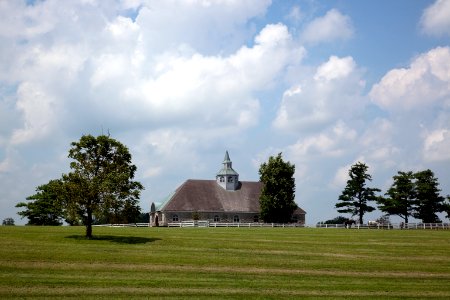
[
  {"x": 45, "y": 207},
  {"x": 401, "y": 196},
  {"x": 278, "y": 193},
  {"x": 101, "y": 180},
  {"x": 356, "y": 195},
  {"x": 428, "y": 200}
]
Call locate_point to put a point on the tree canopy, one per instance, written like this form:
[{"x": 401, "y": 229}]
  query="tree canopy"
[
  {"x": 278, "y": 193},
  {"x": 8, "y": 222},
  {"x": 401, "y": 196},
  {"x": 99, "y": 189},
  {"x": 356, "y": 195},
  {"x": 46, "y": 206},
  {"x": 428, "y": 201},
  {"x": 101, "y": 181},
  {"x": 414, "y": 194}
]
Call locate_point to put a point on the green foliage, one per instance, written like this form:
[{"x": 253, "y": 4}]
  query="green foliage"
[
  {"x": 337, "y": 220},
  {"x": 8, "y": 222},
  {"x": 99, "y": 189},
  {"x": 356, "y": 195},
  {"x": 100, "y": 185},
  {"x": 278, "y": 193},
  {"x": 414, "y": 194},
  {"x": 428, "y": 200},
  {"x": 143, "y": 218},
  {"x": 402, "y": 195},
  {"x": 45, "y": 207}
]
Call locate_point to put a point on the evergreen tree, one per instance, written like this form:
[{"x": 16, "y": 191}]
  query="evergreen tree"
[
  {"x": 402, "y": 196},
  {"x": 278, "y": 193},
  {"x": 428, "y": 200},
  {"x": 356, "y": 195}
]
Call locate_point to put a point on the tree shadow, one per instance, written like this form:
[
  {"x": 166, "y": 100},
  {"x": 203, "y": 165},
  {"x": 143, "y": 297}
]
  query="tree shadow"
[{"x": 116, "y": 239}]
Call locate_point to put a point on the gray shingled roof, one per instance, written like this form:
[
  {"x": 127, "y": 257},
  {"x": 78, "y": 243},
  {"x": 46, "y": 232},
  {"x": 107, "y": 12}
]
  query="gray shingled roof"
[{"x": 208, "y": 196}]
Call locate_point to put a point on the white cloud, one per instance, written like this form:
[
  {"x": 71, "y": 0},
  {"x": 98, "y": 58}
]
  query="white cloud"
[
  {"x": 341, "y": 177},
  {"x": 38, "y": 110},
  {"x": 333, "y": 92},
  {"x": 425, "y": 82},
  {"x": 436, "y": 18},
  {"x": 436, "y": 145},
  {"x": 332, "y": 143},
  {"x": 335, "y": 68},
  {"x": 188, "y": 86},
  {"x": 295, "y": 15},
  {"x": 333, "y": 26},
  {"x": 208, "y": 26}
]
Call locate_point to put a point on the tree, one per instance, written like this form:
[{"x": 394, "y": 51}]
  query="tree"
[
  {"x": 402, "y": 196},
  {"x": 100, "y": 181},
  {"x": 428, "y": 200},
  {"x": 45, "y": 207},
  {"x": 8, "y": 222},
  {"x": 356, "y": 194},
  {"x": 337, "y": 220},
  {"x": 278, "y": 192}
]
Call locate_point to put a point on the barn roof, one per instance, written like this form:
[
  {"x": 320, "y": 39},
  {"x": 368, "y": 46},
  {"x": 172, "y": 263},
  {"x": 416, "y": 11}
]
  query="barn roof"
[{"x": 208, "y": 196}]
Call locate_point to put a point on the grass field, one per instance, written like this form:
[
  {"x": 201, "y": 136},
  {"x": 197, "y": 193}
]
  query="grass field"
[{"x": 224, "y": 263}]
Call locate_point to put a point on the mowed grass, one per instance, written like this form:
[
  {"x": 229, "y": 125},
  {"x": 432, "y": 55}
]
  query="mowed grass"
[{"x": 224, "y": 263}]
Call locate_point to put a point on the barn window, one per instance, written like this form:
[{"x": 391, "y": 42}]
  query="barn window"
[
  {"x": 256, "y": 219},
  {"x": 175, "y": 218},
  {"x": 222, "y": 179},
  {"x": 216, "y": 218},
  {"x": 236, "y": 219},
  {"x": 230, "y": 178}
]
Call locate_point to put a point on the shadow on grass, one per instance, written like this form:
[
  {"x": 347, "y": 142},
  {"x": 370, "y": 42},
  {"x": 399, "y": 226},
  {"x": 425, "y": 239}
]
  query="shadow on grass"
[{"x": 115, "y": 239}]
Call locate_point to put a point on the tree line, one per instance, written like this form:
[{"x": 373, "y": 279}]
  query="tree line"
[{"x": 412, "y": 194}]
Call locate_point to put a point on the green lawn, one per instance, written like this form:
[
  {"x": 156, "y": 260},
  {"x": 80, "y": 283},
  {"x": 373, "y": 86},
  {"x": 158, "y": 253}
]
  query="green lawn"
[{"x": 224, "y": 263}]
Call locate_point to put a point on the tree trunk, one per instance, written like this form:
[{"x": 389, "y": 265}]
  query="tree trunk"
[{"x": 89, "y": 224}]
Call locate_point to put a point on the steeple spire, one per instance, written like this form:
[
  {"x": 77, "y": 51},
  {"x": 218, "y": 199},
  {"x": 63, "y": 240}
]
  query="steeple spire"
[{"x": 227, "y": 177}]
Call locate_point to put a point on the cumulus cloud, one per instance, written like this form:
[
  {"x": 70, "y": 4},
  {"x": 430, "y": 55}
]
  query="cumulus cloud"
[
  {"x": 177, "y": 76},
  {"x": 331, "y": 143},
  {"x": 436, "y": 19},
  {"x": 331, "y": 27},
  {"x": 436, "y": 145},
  {"x": 333, "y": 91},
  {"x": 425, "y": 82},
  {"x": 207, "y": 26}
]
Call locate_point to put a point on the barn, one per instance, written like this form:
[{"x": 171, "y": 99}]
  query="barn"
[{"x": 223, "y": 200}]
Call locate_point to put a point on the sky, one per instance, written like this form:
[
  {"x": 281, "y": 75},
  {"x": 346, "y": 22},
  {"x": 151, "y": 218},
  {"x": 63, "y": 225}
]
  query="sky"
[{"x": 327, "y": 83}]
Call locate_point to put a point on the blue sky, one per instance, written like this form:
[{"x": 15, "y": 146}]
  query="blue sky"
[{"x": 328, "y": 83}]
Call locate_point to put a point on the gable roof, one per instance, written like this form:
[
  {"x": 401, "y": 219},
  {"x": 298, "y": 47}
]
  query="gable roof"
[{"x": 208, "y": 196}]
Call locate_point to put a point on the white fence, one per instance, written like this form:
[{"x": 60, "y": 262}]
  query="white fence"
[
  {"x": 390, "y": 226},
  {"x": 273, "y": 225},
  {"x": 217, "y": 224},
  {"x": 123, "y": 225}
]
